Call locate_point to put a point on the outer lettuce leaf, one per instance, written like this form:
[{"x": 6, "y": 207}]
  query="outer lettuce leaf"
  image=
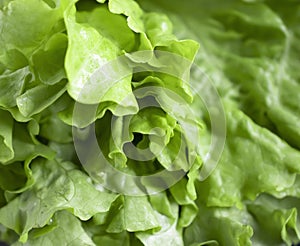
[
  {"x": 167, "y": 235},
  {"x": 12, "y": 177},
  {"x": 35, "y": 100},
  {"x": 14, "y": 36},
  {"x": 181, "y": 193},
  {"x": 272, "y": 169},
  {"x": 134, "y": 214},
  {"x": 101, "y": 237},
  {"x": 11, "y": 86},
  {"x": 118, "y": 239},
  {"x": 6, "y": 129},
  {"x": 215, "y": 226},
  {"x": 163, "y": 208},
  {"x": 280, "y": 217},
  {"x": 26, "y": 148},
  {"x": 264, "y": 221},
  {"x": 171, "y": 220},
  {"x": 63, "y": 188},
  {"x": 49, "y": 61},
  {"x": 25, "y": 145},
  {"x": 51, "y": 126},
  {"x": 64, "y": 229}
]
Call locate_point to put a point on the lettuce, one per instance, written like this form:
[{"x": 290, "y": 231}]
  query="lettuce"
[{"x": 113, "y": 122}]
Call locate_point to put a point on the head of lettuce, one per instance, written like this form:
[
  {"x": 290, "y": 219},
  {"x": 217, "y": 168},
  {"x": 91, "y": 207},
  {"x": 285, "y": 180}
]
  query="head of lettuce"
[{"x": 62, "y": 119}]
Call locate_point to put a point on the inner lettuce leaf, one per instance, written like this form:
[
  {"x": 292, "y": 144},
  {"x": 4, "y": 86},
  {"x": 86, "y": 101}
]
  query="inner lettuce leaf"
[
  {"x": 87, "y": 51},
  {"x": 104, "y": 21}
]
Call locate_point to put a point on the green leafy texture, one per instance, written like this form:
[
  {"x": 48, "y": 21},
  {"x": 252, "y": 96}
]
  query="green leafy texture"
[
  {"x": 54, "y": 129},
  {"x": 131, "y": 9},
  {"x": 2, "y": 198},
  {"x": 57, "y": 186},
  {"x": 2, "y": 68},
  {"x": 277, "y": 219},
  {"x": 49, "y": 61},
  {"x": 135, "y": 22},
  {"x": 183, "y": 198},
  {"x": 35, "y": 100},
  {"x": 64, "y": 151},
  {"x": 248, "y": 49},
  {"x": 73, "y": 112},
  {"x": 12, "y": 177},
  {"x": 105, "y": 23},
  {"x": 8, "y": 236},
  {"x": 188, "y": 126},
  {"x": 167, "y": 215},
  {"x": 88, "y": 51},
  {"x": 218, "y": 226},
  {"x": 101, "y": 237},
  {"x": 135, "y": 214},
  {"x": 265, "y": 221},
  {"x": 11, "y": 86},
  {"x": 272, "y": 106},
  {"x": 26, "y": 149},
  {"x": 184, "y": 53},
  {"x": 159, "y": 29},
  {"x": 209, "y": 229},
  {"x": 118, "y": 239},
  {"x": 14, "y": 60},
  {"x": 172, "y": 155},
  {"x": 25, "y": 145},
  {"x": 6, "y": 128},
  {"x": 272, "y": 169},
  {"x": 94, "y": 155},
  {"x": 64, "y": 229},
  {"x": 167, "y": 235},
  {"x": 172, "y": 64},
  {"x": 151, "y": 121},
  {"x": 16, "y": 16}
]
